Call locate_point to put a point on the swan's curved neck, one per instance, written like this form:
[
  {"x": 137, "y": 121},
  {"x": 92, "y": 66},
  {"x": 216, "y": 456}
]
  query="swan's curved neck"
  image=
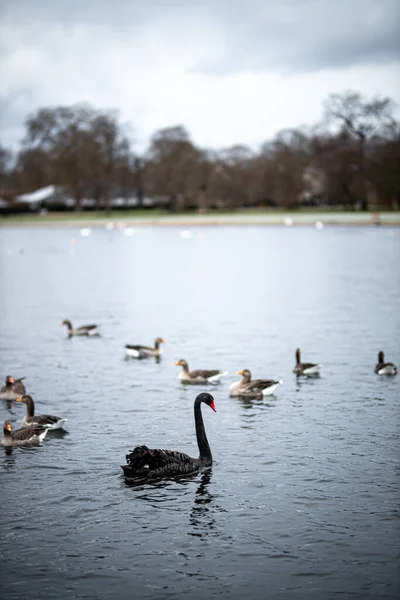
[
  {"x": 297, "y": 357},
  {"x": 30, "y": 407},
  {"x": 185, "y": 368},
  {"x": 7, "y": 433},
  {"x": 202, "y": 442},
  {"x": 69, "y": 325}
]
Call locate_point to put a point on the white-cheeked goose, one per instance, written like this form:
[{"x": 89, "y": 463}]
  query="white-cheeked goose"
[
  {"x": 145, "y": 351},
  {"x": 305, "y": 368},
  {"x": 28, "y": 436},
  {"x": 84, "y": 330},
  {"x": 151, "y": 464},
  {"x": 50, "y": 421},
  {"x": 384, "y": 368},
  {"x": 253, "y": 389},
  {"x": 198, "y": 376}
]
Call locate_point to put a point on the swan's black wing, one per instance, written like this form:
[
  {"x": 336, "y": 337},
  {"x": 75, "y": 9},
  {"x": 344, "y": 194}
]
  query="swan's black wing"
[{"x": 149, "y": 462}]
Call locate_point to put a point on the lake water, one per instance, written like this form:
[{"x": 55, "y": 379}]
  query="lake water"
[{"x": 302, "y": 498}]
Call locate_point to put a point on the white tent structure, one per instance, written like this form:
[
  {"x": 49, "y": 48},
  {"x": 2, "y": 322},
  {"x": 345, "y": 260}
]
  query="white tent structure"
[{"x": 50, "y": 194}]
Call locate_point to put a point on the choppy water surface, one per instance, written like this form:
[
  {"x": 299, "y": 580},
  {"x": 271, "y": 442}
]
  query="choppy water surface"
[{"x": 302, "y": 500}]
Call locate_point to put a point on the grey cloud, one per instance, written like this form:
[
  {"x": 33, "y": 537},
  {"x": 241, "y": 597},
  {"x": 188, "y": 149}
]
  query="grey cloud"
[{"x": 288, "y": 35}]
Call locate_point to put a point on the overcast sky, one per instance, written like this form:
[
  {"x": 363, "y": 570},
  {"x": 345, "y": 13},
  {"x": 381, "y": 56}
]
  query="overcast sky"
[{"x": 231, "y": 71}]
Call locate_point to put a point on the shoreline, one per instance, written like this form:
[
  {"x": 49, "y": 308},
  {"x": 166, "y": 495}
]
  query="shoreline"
[{"x": 316, "y": 219}]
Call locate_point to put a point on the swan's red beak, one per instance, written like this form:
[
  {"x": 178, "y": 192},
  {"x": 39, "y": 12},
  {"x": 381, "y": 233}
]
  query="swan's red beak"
[{"x": 212, "y": 405}]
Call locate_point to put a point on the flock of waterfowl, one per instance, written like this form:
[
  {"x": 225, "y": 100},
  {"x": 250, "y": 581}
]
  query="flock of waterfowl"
[{"x": 143, "y": 462}]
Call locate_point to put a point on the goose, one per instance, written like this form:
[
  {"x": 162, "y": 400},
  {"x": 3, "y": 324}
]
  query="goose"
[
  {"x": 30, "y": 418},
  {"x": 199, "y": 376},
  {"x": 383, "y": 368},
  {"x": 147, "y": 463},
  {"x": 28, "y": 436},
  {"x": 12, "y": 389},
  {"x": 305, "y": 368},
  {"x": 255, "y": 389},
  {"x": 145, "y": 351},
  {"x": 88, "y": 330}
]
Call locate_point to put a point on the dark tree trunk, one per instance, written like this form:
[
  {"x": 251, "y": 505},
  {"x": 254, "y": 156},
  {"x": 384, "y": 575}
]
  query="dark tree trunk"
[{"x": 139, "y": 182}]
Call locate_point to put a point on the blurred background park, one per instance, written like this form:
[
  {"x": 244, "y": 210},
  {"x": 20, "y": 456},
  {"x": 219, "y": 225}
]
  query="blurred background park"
[{"x": 182, "y": 106}]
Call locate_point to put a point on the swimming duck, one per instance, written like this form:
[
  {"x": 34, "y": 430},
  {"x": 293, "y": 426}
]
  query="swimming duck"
[
  {"x": 88, "y": 330},
  {"x": 255, "y": 389},
  {"x": 148, "y": 463},
  {"x": 383, "y": 368},
  {"x": 29, "y": 436},
  {"x": 305, "y": 368},
  {"x": 12, "y": 389},
  {"x": 30, "y": 418},
  {"x": 199, "y": 376},
  {"x": 145, "y": 351}
]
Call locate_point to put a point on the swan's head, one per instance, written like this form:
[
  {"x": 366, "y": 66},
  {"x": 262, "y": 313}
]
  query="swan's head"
[
  {"x": 160, "y": 341},
  {"x": 207, "y": 399},
  {"x": 25, "y": 399},
  {"x": 245, "y": 374},
  {"x": 181, "y": 363},
  {"x": 9, "y": 379},
  {"x": 381, "y": 357},
  {"x": 7, "y": 426},
  {"x": 67, "y": 323}
]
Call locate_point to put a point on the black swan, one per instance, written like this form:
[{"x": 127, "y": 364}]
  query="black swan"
[
  {"x": 383, "y": 368},
  {"x": 30, "y": 418},
  {"x": 88, "y": 330},
  {"x": 148, "y": 463},
  {"x": 253, "y": 389},
  {"x": 305, "y": 368},
  {"x": 12, "y": 388},
  {"x": 199, "y": 376},
  {"x": 29, "y": 436},
  {"x": 145, "y": 351}
]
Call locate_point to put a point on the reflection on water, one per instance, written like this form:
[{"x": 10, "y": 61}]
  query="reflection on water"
[{"x": 201, "y": 518}]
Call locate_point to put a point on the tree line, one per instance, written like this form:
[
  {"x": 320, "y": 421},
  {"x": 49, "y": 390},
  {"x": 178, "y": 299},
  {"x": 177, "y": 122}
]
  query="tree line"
[{"x": 350, "y": 159}]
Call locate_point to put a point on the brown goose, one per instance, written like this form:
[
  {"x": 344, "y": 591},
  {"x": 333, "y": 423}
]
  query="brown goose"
[
  {"x": 31, "y": 419},
  {"x": 147, "y": 463},
  {"x": 199, "y": 376},
  {"x": 12, "y": 389},
  {"x": 29, "y": 436},
  {"x": 305, "y": 368},
  {"x": 255, "y": 389},
  {"x": 88, "y": 330},
  {"x": 384, "y": 368},
  {"x": 145, "y": 351}
]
